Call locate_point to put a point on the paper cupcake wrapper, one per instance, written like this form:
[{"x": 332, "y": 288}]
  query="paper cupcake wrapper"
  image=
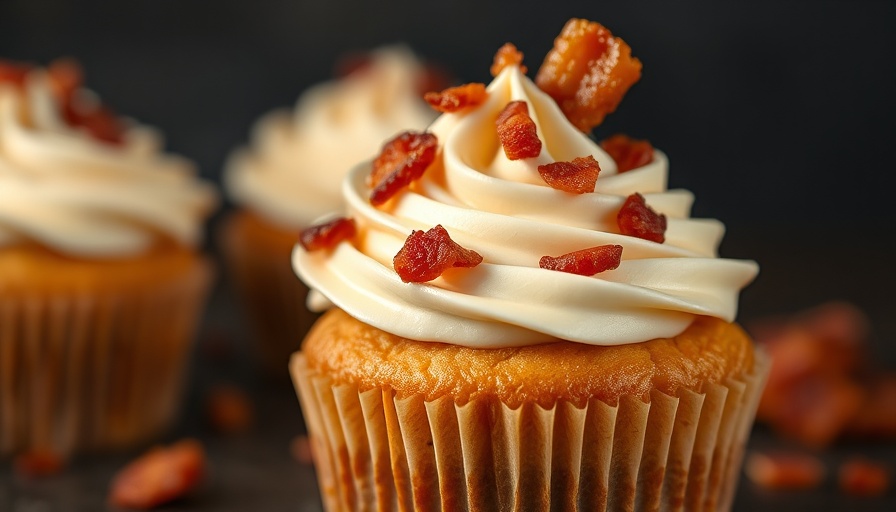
[
  {"x": 374, "y": 451},
  {"x": 95, "y": 370},
  {"x": 273, "y": 297}
]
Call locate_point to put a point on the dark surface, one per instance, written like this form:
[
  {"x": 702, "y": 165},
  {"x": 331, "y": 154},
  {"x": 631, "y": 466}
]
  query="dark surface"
[{"x": 778, "y": 115}]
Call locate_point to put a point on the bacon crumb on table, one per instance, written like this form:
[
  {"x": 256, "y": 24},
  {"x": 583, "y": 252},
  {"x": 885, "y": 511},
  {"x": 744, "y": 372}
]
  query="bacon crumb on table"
[
  {"x": 160, "y": 475},
  {"x": 38, "y": 464},
  {"x": 861, "y": 477},
  {"x": 784, "y": 471},
  {"x": 229, "y": 409}
]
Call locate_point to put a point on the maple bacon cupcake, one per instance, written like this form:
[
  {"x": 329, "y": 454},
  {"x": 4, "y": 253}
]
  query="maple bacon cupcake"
[
  {"x": 101, "y": 282},
  {"x": 290, "y": 176},
  {"x": 522, "y": 319}
]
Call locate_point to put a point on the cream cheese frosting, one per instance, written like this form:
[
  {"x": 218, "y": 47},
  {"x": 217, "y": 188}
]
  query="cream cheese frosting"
[
  {"x": 503, "y": 210},
  {"x": 65, "y": 190},
  {"x": 292, "y": 171}
]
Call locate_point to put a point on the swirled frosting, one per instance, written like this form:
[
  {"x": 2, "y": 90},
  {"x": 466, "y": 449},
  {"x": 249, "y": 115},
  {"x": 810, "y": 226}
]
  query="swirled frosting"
[
  {"x": 65, "y": 190},
  {"x": 503, "y": 210},
  {"x": 292, "y": 171}
]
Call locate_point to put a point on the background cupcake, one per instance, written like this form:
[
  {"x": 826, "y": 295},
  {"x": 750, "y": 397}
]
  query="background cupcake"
[
  {"x": 101, "y": 284},
  {"x": 540, "y": 375},
  {"x": 291, "y": 175}
]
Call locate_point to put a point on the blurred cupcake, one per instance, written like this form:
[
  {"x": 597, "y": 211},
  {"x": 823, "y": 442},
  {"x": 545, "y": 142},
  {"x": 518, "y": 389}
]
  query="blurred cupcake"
[
  {"x": 523, "y": 319},
  {"x": 291, "y": 175},
  {"x": 101, "y": 284}
]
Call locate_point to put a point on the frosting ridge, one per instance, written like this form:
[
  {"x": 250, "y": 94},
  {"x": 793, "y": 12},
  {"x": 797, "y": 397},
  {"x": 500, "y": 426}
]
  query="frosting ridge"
[{"x": 503, "y": 210}]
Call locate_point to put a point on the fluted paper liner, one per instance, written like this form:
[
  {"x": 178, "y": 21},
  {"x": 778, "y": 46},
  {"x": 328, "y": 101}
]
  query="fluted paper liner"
[
  {"x": 375, "y": 451},
  {"x": 95, "y": 370}
]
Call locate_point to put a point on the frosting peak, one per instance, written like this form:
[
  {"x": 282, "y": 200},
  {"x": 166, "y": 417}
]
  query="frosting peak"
[
  {"x": 64, "y": 189},
  {"x": 503, "y": 210}
]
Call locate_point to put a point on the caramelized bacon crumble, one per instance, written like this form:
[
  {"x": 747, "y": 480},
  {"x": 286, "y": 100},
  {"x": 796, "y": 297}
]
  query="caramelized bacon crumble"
[
  {"x": 517, "y": 131},
  {"x": 328, "y": 234},
  {"x": 402, "y": 160},
  {"x": 577, "y": 176},
  {"x": 66, "y": 77},
  {"x": 588, "y": 72},
  {"x": 860, "y": 477},
  {"x": 639, "y": 220},
  {"x": 784, "y": 470},
  {"x": 159, "y": 476},
  {"x": 426, "y": 255},
  {"x": 628, "y": 153},
  {"x": 38, "y": 464},
  {"x": 457, "y": 98},
  {"x": 13, "y": 73},
  {"x": 586, "y": 262},
  {"x": 507, "y": 55}
]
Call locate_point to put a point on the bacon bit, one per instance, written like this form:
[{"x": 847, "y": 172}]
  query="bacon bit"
[
  {"x": 860, "y": 477},
  {"x": 13, "y": 73},
  {"x": 66, "y": 76},
  {"x": 160, "y": 475},
  {"x": 588, "y": 72},
  {"x": 229, "y": 410},
  {"x": 578, "y": 176},
  {"x": 628, "y": 153},
  {"x": 518, "y": 132},
  {"x": 639, "y": 220},
  {"x": 327, "y": 235},
  {"x": 586, "y": 262},
  {"x": 300, "y": 448},
  {"x": 403, "y": 160},
  {"x": 425, "y": 256},
  {"x": 38, "y": 464},
  {"x": 457, "y": 98},
  {"x": 507, "y": 55},
  {"x": 780, "y": 471},
  {"x": 876, "y": 418}
]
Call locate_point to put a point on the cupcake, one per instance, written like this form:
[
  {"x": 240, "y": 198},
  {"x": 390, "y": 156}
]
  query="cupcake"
[
  {"x": 290, "y": 176},
  {"x": 101, "y": 283},
  {"x": 522, "y": 319}
]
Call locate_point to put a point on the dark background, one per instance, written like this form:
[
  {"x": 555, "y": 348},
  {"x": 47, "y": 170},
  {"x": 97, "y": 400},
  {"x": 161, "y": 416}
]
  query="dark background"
[{"x": 779, "y": 115}]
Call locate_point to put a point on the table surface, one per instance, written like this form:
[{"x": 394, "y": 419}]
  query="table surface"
[{"x": 256, "y": 471}]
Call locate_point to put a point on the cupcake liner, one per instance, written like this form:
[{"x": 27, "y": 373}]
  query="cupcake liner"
[
  {"x": 95, "y": 369},
  {"x": 270, "y": 292},
  {"x": 376, "y": 451}
]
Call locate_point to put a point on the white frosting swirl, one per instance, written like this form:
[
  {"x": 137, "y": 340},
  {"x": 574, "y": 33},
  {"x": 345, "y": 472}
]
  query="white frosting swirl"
[
  {"x": 62, "y": 188},
  {"x": 291, "y": 175},
  {"x": 504, "y": 210}
]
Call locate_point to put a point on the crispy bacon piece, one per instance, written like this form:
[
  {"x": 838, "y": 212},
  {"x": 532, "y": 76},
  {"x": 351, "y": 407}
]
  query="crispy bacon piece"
[
  {"x": 637, "y": 219},
  {"x": 588, "y": 72},
  {"x": 586, "y": 262},
  {"x": 860, "y": 477},
  {"x": 13, "y": 72},
  {"x": 517, "y": 131},
  {"x": 229, "y": 409},
  {"x": 628, "y": 153},
  {"x": 426, "y": 255},
  {"x": 159, "y": 476},
  {"x": 100, "y": 121},
  {"x": 38, "y": 464},
  {"x": 790, "y": 471},
  {"x": 328, "y": 234},
  {"x": 300, "y": 448},
  {"x": 457, "y": 98},
  {"x": 403, "y": 160},
  {"x": 578, "y": 176},
  {"x": 507, "y": 55}
]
